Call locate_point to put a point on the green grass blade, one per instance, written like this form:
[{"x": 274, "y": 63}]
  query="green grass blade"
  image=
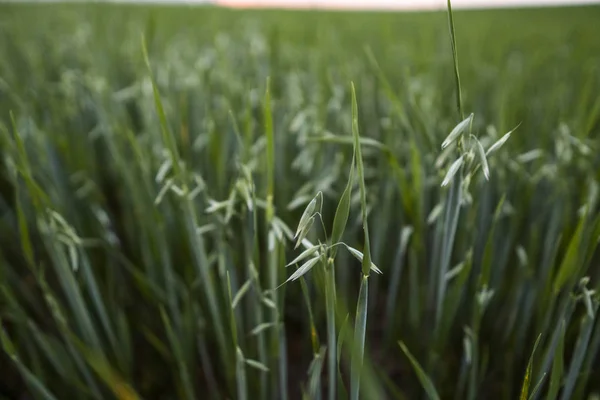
[
  {"x": 449, "y": 228},
  {"x": 242, "y": 389},
  {"x": 104, "y": 370},
  {"x": 32, "y": 381},
  {"x": 581, "y": 347},
  {"x": 314, "y": 336},
  {"x": 330, "y": 306},
  {"x": 557, "y": 365},
  {"x": 570, "y": 263},
  {"x": 343, "y": 210},
  {"x": 459, "y": 101},
  {"x": 537, "y": 388},
  {"x": 24, "y": 231},
  {"x": 360, "y": 328},
  {"x": 179, "y": 357},
  {"x": 232, "y": 320},
  {"x": 405, "y": 236},
  {"x": 528, "y": 373},
  {"x": 425, "y": 381},
  {"x": 166, "y": 133},
  {"x": 366, "y": 262},
  {"x": 314, "y": 374},
  {"x": 270, "y": 171}
]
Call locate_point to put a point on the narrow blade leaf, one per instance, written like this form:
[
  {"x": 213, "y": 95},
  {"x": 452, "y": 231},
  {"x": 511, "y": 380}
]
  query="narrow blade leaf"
[
  {"x": 529, "y": 373},
  {"x": 425, "y": 381},
  {"x": 366, "y": 262},
  {"x": 359, "y": 338},
  {"x": 343, "y": 210},
  {"x": 557, "y": 365}
]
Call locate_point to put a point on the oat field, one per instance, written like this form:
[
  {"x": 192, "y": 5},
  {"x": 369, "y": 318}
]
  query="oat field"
[{"x": 203, "y": 203}]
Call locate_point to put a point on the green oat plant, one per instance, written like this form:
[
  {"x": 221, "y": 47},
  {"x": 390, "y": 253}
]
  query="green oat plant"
[{"x": 324, "y": 254}]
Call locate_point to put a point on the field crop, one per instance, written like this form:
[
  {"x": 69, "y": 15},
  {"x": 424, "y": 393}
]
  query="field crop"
[{"x": 224, "y": 204}]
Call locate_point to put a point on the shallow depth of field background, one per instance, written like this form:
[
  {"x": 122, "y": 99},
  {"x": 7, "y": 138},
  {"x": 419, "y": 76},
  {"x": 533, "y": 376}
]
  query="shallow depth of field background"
[
  {"x": 396, "y": 4},
  {"x": 157, "y": 161}
]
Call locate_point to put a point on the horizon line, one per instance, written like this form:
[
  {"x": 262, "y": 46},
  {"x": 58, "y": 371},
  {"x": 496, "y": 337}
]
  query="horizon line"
[{"x": 396, "y": 5}]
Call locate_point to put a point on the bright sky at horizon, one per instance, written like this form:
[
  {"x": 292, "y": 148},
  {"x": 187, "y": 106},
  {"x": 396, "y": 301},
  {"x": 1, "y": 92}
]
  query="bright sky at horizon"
[{"x": 398, "y": 4}]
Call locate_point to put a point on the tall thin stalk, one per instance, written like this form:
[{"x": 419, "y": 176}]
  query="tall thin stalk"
[
  {"x": 362, "y": 306},
  {"x": 330, "y": 307},
  {"x": 453, "y": 200}
]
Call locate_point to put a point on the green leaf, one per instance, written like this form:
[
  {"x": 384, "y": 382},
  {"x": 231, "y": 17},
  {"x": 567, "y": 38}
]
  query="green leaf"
[
  {"x": 459, "y": 103},
  {"x": 38, "y": 196},
  {"x": 54, "y": 352},
  {"x": 7, "y": 344},
  {"x": 366, "y": 262},
  {"x": 528, "y": 373},
  {"x": 314, "y": 373},
  {"x": 557, "y": 365},
  {"x": 31, "y": 380},
  {"x": 425, "y": 381},
  {"x": 179, "y": 356},
  {"x": 570, "y": 262},
  {"x": 579, "y": 353},
  {"x": 232, "y": 320},
  {"x": 167, "y": 136},
  {"x": 24, "y": 231},
  {"x": 360, "y": 327},
  {"x": 121, "y": 389},
  {"x": 537, "y": 387},
  {"x": 343, "y": 210},
  {"x": 268, "y": 121},
  {"x": 240, "y": 375},
  {"x": 342, "y": 336}
]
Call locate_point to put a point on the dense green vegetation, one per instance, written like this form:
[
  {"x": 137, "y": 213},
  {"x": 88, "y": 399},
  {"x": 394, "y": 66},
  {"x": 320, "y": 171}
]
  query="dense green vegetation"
[{"x": 162, "y": 167}]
